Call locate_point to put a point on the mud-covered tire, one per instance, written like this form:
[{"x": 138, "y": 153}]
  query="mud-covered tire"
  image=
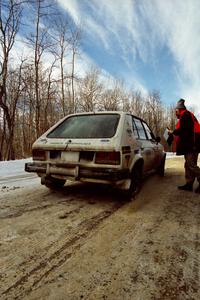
[
  {"x": 136, "y": 183},
  {"x": 161, "y": 169},
  {"x": 53, "y": 183}
]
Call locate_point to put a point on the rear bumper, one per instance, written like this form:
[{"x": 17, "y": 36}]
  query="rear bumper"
[{"x": 77, "y": 171}]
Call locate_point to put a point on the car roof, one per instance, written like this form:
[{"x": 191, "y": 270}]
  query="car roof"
[
  {"x": 97, "y": 112},
  {"x": 105, "y": 112}
]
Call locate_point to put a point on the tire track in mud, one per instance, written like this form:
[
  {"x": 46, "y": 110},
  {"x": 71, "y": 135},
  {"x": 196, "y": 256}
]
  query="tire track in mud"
[
  {"x": 22, "y": 209},
  {"x": 31, "y": 280},
  {"x": 47, "y": 200},
  {"x": 67, "y": 195}
]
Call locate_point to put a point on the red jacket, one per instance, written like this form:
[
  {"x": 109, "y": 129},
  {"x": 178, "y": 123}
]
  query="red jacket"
[{"x": 187, "y": 133}]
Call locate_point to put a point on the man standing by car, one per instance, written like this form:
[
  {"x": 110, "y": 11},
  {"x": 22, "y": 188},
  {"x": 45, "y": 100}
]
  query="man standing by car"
[{"x": 187, "y": 139}]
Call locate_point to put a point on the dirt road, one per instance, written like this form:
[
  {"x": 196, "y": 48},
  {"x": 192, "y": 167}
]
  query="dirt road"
[{"x": 85, "y": 242}]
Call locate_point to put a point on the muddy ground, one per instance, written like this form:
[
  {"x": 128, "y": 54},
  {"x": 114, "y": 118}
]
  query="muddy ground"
[{"x": 85, "y": 242}]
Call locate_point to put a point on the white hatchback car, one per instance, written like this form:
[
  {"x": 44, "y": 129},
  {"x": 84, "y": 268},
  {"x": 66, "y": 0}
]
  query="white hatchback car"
[{"x": 110, "y": 147}]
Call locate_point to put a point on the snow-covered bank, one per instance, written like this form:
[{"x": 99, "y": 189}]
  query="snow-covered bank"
[
  {"x": 13, "y": 167},
  {"x": 170, "y": 154},
  {"x": 12, "y": 174}
]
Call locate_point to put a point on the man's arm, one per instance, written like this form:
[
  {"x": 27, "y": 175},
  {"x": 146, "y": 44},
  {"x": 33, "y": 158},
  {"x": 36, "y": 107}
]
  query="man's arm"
[{"x": 186, "y": 125}]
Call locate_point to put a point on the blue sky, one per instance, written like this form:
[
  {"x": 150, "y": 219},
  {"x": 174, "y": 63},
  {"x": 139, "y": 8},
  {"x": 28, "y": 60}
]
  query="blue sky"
[{"x": 149, "y": 44}]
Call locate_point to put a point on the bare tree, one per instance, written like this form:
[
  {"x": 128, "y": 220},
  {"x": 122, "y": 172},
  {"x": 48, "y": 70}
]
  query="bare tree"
[
  {"x": 113, "y": 98},
  {"x": 28, "y": 107},
  {"x": 48, "y": 94},
  {"x": 67, "y": 39},
  {"x": 75, "y": 40},
  {"x": 10, "y": 16},
  {"x": 153, "y": 112},
  {"x": 137, "y": 103},
  {"x": 89, "y": 91},
  {"x": 40, "y": 40},
  {"x": 60, "y": 48}
]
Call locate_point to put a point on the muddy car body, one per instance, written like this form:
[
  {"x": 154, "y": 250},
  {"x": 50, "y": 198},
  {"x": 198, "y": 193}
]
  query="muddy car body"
[{"x": 114, "y": 148}]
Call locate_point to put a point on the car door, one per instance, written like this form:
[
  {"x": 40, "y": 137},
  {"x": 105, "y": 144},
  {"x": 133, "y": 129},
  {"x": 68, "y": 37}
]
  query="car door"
[
  {"x": 155, "y": 145},
  {"x": 147, "y": 145}
]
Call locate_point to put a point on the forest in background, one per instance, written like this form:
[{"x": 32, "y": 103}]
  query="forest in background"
[{"x": 38, "y": 89}]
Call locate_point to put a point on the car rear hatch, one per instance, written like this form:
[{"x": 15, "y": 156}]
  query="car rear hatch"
[
  {"x": 79, "y": 143},
  {"x": 85, "y": 135}
]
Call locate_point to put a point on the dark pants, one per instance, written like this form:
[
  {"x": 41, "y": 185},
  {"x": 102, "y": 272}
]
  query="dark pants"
[{"x": 192, "y": 171}]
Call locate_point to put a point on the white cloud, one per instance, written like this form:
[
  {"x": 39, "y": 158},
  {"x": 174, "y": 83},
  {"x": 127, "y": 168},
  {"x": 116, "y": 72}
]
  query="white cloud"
[
  {"x": 98, "y": 34},
  {"x": 119, "y": 20},
  {"x": 111, "y": 22},
  {"x": 176, "y": 24},
  {"x": 72, "y": 7},
  {"x": 130, "y": 29},
  {"x": 113, "y": 25},
  {"x": 180, "y": 21}
]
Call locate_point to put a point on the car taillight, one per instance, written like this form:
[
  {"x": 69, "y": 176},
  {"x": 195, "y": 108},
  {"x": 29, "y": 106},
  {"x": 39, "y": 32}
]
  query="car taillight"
[
  {"x": 38, "y": 154},
  {"x": 111, "y": 158}
]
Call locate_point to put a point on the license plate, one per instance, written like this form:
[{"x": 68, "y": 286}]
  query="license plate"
[{"x": 70, "y": 156}]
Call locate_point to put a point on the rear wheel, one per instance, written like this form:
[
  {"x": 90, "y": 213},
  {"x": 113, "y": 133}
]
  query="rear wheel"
[
  {"x": 136, "y": 183},
  {"x": 53, "y": 183}
]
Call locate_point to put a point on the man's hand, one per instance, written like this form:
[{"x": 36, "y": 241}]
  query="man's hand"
[{"x": 170, "y": 132}]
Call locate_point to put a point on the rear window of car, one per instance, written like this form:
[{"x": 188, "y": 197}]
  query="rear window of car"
[{"x": 87, "y": 126}]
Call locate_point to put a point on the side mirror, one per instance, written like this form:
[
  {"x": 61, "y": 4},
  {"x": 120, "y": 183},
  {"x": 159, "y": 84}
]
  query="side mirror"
[{"x": 158, "y": 139}]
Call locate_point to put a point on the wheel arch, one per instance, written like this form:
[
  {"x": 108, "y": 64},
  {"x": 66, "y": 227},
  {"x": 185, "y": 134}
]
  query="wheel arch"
[{"x": 139, "y": 163}]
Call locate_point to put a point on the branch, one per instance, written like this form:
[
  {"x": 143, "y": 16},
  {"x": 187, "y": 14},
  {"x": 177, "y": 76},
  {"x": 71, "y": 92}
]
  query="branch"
[{"x": 1, "y": 94}]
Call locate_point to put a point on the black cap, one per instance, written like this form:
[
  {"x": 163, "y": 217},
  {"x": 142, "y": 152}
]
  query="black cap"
[{"x": 180, "y": 104}]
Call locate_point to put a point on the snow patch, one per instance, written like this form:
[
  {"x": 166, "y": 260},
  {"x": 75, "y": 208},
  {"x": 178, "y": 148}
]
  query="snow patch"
[
  {"x": 13, "y": 175},
  {"x": 13, "y": 167}
]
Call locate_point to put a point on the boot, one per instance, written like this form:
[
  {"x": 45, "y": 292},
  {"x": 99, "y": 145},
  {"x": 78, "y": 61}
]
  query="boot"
[
  {"x": 186, "y": 187},
  {"x": 197, "y": 190}
]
